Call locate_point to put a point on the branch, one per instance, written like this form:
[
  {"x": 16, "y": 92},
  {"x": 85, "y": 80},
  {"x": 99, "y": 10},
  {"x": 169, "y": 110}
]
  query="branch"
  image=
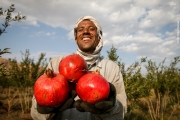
[
  {"x": 9, "y": 18},
  {"x": 6, "y": 50}
]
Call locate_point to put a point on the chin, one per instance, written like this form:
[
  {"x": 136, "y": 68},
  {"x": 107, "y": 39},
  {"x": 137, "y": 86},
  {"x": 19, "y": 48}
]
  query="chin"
[{"x": 87, "y": 50}]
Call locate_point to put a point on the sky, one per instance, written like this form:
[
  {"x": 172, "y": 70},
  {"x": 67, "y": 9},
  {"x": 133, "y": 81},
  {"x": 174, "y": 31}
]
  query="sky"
[{"x": 137, "y": 28}]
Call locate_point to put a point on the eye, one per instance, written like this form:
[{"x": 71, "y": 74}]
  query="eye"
[
  {"x": 92, "y": 28},
  {"x": 80, "y": 29}
]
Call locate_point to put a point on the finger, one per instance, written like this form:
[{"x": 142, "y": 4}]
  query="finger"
[
  {"x": 67, "y": 104},
  {"x": 73, "y": 93},
  {"x": 77, "y": 106},
  {"x": 44, "y": 109},
  {"x": 112, "y": 88},
  {"x": 104, "y": 105},
  {"x": 89, "y": 108}
]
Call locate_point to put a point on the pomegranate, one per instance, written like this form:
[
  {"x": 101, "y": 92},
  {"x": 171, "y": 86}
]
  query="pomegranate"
[
  {"x": 72, "y": 67},
  {"x": 51, "y": 89},
  {"x": 92, "y": 87}
]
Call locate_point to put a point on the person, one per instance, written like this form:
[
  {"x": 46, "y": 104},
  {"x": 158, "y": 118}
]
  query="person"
[{"x": 88, "y": 37}]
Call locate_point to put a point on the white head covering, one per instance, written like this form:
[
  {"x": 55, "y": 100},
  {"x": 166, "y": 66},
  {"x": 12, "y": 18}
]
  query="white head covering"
[
  {"x": 99, "y": 29},
  {"x": 90, "y": 58}
]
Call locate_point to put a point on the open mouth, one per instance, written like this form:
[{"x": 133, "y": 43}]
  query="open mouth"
[{"x": 86, "y": 39}]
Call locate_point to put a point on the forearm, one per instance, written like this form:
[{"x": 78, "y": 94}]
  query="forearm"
[{"x": 36, "y": 115}]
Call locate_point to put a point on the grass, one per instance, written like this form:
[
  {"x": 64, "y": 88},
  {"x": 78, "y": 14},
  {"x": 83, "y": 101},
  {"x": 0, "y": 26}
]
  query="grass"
[{"x": 15, "y": 103}]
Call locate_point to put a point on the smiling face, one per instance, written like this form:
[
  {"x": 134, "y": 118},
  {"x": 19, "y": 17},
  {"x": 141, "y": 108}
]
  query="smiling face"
[{"x": 87, "y": 37}]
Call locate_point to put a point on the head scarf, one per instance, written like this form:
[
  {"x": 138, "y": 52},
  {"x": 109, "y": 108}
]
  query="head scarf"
[{"x": 90, "y": 58}]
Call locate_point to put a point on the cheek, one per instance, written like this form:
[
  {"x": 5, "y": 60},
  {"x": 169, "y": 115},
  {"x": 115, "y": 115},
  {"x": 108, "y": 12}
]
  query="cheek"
[
  {"x": 76, "y": 38},
  {"x": 97, "y": 39}
]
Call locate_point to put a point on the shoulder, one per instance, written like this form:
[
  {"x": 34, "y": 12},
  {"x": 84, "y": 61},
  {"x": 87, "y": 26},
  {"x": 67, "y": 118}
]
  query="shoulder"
[
  {"x": 108, "y": 66},
  {"x": 110, "y": 70},
  {"x": 108, "y": 63},
  {"x": 54, "y": 63},
  {"x": 57, "y": 58}
]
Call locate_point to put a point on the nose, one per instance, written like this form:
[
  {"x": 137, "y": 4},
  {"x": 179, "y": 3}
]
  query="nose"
[{"x": 86, "y": 30}]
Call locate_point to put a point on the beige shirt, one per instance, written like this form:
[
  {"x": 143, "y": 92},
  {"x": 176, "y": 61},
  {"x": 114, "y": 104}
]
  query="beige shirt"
[{"x": 108, "y": 69}]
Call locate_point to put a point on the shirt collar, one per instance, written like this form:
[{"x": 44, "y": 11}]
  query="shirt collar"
[{"x": 97, "y": 63}]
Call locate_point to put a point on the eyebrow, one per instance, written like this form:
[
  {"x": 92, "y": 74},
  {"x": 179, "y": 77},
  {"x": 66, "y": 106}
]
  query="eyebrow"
[{"x": 88, "y": 27}]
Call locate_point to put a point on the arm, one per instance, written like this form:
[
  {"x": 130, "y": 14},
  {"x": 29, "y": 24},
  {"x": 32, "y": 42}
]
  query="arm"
[
  {"x": 111, "y": 72},
  {"x": 36, "y": 115},
  {"x": 53, "y": 65},
  {"x": 120, "y": 108},
  {"x": 116, "y": 113}
]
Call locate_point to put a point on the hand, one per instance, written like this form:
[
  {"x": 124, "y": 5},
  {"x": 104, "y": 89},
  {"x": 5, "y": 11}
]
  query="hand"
[
  {"x": 68, "y": 104},
  {"x": 99, "y": 107}
]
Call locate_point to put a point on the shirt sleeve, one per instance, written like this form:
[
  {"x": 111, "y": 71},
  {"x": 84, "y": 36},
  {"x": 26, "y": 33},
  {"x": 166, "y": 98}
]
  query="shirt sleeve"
[
  {"x": 53, "y": 65},
  {"x": 112, "y": 73},
  {"x": 36, "y": 115}
]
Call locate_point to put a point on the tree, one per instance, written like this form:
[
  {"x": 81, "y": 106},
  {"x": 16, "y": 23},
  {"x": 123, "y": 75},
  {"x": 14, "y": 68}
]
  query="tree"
[
  {"x": 136, "y": 85},
  {"x": 2, "y": 68},
  {"x": 112, "y": 55},
  {"x": 166, "y": 87},
  {"x": 8, "y": 17},
  {"x": 6, "y": 50},
  {"x": 24, "y": 73}
]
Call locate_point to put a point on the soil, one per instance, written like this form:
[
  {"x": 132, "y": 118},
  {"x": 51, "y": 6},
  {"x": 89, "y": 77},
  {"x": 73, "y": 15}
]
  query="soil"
[{"x": 14, "y": 114}]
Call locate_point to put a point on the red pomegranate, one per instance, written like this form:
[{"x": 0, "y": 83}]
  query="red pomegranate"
[
  {"x": 92, "y": 87},
  {"x": 51, "y": 89},
  {"x": 72, "y": 67}
]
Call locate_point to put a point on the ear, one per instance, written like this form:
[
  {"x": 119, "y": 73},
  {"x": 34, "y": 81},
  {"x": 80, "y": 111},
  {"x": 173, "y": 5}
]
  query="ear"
[
  {"x": 76, "y": 40},
  {"x": 99, "y": 38}
]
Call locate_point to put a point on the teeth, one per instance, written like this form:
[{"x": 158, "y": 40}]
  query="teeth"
[{"x": 86, "y": 38}]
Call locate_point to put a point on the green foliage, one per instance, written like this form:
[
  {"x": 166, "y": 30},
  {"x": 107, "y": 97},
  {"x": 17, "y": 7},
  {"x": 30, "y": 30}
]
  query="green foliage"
[
  {"x": 153, "y": 96},
  {"x": 5, "y": 50},
  {"x": 166, "y": 86},
  {"x": 136, "y": 85},
  {"x": 3, "y": 70},
  {"x": 112, "y": 54},
  {"x": 8, "y": 17},
  {"x": 24, "y": 73}
]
